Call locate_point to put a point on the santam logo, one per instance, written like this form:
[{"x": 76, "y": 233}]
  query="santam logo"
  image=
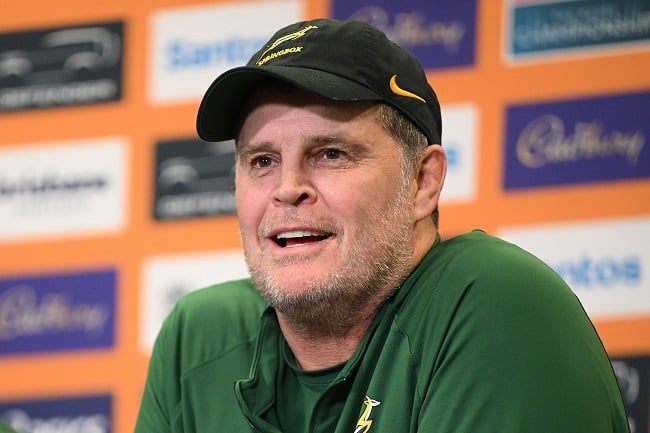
[
  {"x": 183, "y": 54},
  {"x": 593, "y": 273},
  {"x": 461, "y": 122},
  {"x": 192, "y": 45},
  {"x": 605, "y": 262}
]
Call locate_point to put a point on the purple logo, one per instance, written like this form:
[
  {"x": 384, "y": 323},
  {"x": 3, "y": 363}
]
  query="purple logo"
[
  {"x": 70, "y": 415},
  {"x": 578, "y": 141},
  {"x": 441, "y": 36},
  {"x": 57, "y": 312}
]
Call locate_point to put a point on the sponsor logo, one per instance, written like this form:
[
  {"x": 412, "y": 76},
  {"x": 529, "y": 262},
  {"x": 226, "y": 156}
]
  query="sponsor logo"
[
  {"x": 545, "y": 28},
  {"x": 193, "y": 45},
  {"x": 594, "y": 273},
  {"x": 396, "y": 89},
  {"x": 545, "y": 141},
  {"x": 194, "y": 178},
  {"x": 440, "y": 37},
  {"x": 585, "y": 140},
  {"x": 46, "y": 192},
  {"x": 167, "y": 278},
  {"x": 275, "y": 55},
  {"x": 633, "y": 378},
  {"x": 183, "y": 55},
  {"x": 90, "y": 414},
  {"x": 264, "y": 58},
  {"x": 605, "y": 263},
  {"x": 61, "y": 66},
  {"x": 57, "y": 312},
  {"x": 365, "y": 422},
  {"x": 460, "y": 143}
]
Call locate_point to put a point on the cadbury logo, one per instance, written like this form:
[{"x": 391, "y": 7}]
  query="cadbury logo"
[
  {"x": 23, "y": 422},
  {"x": 545, "y": 141},
  {"x": 414, "y": 29},
  {"x": 23, "y": 314}
]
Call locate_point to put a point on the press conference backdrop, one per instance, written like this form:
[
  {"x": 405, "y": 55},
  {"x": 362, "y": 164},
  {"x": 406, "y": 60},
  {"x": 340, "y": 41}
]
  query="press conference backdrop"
[{"x": 111, "y": 208}]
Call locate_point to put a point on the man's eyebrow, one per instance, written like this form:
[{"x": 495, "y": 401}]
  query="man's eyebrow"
[
  {"x": 243, "y": 148},
  {"x": 340, "y": 139}
]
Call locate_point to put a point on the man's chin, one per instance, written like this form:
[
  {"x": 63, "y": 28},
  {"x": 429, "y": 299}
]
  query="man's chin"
[{"x": 294, "y": 291}]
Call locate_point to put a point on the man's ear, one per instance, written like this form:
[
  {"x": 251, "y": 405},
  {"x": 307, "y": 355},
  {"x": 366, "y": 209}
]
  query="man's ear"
[{"x": 430, "y": 178}]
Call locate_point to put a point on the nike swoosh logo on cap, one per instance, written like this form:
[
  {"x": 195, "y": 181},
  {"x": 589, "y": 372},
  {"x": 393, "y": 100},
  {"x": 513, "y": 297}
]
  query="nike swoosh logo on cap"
[{"x": 401, "y": 92}]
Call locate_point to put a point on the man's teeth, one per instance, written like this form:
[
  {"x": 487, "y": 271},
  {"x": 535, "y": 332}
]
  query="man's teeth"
[
  {"x": 297, "y": 234},
  {"x": 295, "y": 238}
]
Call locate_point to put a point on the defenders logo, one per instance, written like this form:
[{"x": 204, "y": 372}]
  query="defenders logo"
[
  {"x": 364, "y": 423},
  {"x": 290, "y": 37}
]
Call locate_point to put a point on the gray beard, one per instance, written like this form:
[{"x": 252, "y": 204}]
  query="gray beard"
[
  {"x": 345, "y": 297},
  {"x": 333, "y": 306}
]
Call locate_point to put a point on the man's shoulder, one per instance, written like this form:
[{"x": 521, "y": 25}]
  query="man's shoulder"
[
  {"x": 486, "y": 253},
  {"x": 220, "y": 303},
  {"x": 227, "y": 294},
  {"x": 475, "y": 241},
  {"x": 220, "y": 317},
  {"x": 208, "y": 339},
  {"x": 485, "y": 265}
]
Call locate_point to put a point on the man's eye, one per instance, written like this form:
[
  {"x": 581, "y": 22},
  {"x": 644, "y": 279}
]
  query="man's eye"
[
  {"x": 332, "y": 154},
  {"x": 262, "y": 162}
]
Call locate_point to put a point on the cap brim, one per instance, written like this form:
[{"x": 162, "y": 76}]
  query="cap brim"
[{"x": 221, "y": 108}]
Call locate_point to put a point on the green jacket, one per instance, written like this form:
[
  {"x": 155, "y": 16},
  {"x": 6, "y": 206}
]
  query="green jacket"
[{"x": 481, "y": 337}]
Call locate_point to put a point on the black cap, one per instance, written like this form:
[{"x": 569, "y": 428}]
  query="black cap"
[{"x": 338, "y": 60}]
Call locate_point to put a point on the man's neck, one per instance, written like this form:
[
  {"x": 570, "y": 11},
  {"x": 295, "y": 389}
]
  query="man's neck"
[{"x": 316, "y": 351}]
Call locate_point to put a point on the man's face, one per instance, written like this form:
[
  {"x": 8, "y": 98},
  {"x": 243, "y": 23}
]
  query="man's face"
[{"x": 325, "y": 217}]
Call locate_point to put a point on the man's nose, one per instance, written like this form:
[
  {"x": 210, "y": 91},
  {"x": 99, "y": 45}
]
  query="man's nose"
[{"x": 293, "y": 187}]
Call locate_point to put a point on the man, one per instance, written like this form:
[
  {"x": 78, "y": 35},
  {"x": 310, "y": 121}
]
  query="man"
[{"x": 358, "y": 317}]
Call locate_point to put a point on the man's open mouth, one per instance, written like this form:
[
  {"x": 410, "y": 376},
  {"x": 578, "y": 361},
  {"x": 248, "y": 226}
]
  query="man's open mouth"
[{"x": 299, "y": 237}]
